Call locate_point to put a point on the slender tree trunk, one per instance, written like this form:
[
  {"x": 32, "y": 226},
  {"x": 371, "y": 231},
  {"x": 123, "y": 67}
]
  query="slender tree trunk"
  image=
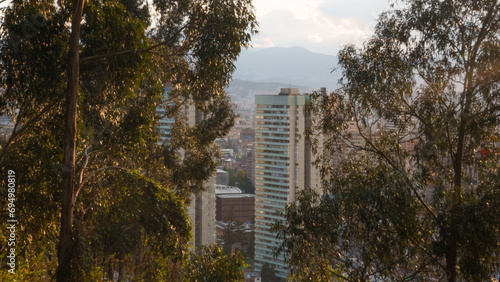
[
  {"x": 451, "y": 260},
  {"x": 451, "y": 242},
  {"x": 65, "y": 237},
  {"x": 198, "y": 215},
  {"x": 109, "y": 269},
  {"x": 121, "y": 269}
]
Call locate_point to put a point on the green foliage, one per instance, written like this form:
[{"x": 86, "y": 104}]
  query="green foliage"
[
  {"x": 409, "y": 153},
  {"x": 313, "y": 222},
  {"x": 208, "y": 263},
  {"x": 131, "y": 193},
  {"x": 233, "y": 233},
  {"x": 239, "y": 179},
  {"x": 235, "y": 239}
]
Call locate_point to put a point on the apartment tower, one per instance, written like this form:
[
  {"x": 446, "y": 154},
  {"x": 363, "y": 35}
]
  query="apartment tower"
[
  {"x": 283, "y": 166},
  {"x": 202, "y": 208}
]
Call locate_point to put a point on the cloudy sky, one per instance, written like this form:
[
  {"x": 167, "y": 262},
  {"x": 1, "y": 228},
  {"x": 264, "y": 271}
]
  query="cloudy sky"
[{"x": 321, "y": 26}]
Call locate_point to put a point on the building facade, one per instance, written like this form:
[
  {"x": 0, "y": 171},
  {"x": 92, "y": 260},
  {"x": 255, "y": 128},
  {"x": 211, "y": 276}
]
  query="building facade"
[
  {"x": 283, "y": 166},
  {"x": 235, "y": 214},
  {"x": 235, "y": 207},
  {"x": 202, "y": 207}
]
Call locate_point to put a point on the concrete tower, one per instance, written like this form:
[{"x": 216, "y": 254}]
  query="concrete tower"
[{"x": 283, "y": 166}]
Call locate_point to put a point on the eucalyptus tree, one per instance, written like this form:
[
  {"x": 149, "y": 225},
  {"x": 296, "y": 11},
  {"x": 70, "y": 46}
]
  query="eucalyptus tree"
[
  {"x": 104, "y": 63},
  {"x": 410, "y": 154},
  {"x": 209, "y": 264}
]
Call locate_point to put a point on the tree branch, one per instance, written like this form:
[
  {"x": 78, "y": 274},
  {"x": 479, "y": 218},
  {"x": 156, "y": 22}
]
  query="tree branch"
[
  {"x": 80, "y": 185},
  {"x": 17, "y": 135},
  {"x": 375, "y": 150},
  {"x": 175, "y": 109},
  {"x": 97, "y": 58},
  {"x": 85, "y": 162}
]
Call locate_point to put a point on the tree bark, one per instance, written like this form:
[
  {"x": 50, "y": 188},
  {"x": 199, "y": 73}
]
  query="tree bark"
[
  {"x": 198, "y": 215},
  {"x": 64, "y": 250},
  {"x": 451, "y": 260}
]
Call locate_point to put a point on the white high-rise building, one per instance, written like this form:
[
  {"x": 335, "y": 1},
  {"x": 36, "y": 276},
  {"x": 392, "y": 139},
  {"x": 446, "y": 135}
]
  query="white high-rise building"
[
  {"x": 202, "y": 208},
  {"x": 283, "y": 166}
]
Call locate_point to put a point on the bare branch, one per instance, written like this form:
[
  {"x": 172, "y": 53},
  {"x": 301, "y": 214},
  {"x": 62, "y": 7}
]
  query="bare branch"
[
  {"x": 176, "y": 108},
  {"x": 85, "y": 162}
]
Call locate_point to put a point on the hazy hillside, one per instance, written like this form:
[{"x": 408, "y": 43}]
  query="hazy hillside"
[{"x": 289, "y": 66}]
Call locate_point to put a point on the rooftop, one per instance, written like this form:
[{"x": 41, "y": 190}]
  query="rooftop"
[
  {"x": 226, "y": 189},
  {"x": 228, "y": 196},
  {"x": 289, "y": 91}
]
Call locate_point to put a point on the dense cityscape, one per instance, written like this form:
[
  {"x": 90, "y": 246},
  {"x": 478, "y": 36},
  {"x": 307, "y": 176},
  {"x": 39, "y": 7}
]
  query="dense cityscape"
[{"x": 147, "y": 141}]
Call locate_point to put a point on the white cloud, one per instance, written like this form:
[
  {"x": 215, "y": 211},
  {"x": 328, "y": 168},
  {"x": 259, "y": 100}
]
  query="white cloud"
[
  {"x": 315, "y": 38},
  {"x": 300, "y": 8},
  {"x": 262, "y": 43},
  {"x": 318, "y": 25}
]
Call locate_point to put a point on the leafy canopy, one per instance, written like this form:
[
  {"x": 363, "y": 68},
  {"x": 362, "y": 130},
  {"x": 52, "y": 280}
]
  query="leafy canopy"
[
  {"x": 130, "y": 193},
  {"x": 410, "y": 153}
]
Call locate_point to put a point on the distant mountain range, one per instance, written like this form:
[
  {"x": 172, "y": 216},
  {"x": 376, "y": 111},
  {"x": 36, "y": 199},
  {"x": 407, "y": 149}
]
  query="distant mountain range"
[{"x": 265, "y": 71}]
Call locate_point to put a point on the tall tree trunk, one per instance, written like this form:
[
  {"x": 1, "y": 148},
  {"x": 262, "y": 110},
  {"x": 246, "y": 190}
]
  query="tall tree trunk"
[
  {"x": 121, "y": 269},
  {"x": 451, "y": 260},
  {"x": 65, "y": 237},
  {"x": 198, "y": 215}
]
